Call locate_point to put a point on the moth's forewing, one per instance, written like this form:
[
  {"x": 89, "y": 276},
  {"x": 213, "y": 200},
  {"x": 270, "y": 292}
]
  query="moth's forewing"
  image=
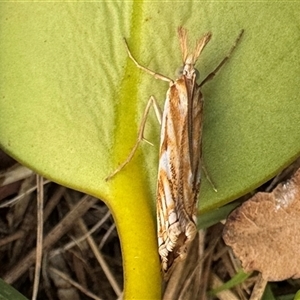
[{"x": 179, "y": 170}]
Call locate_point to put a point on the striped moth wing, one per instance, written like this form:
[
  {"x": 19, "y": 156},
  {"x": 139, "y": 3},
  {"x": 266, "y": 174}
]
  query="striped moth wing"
[{"x": 179, "y": 169}]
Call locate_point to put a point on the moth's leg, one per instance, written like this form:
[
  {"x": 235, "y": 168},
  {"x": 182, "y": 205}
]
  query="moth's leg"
[
  {"x": 156, "y": 75},
  {"x": 208, "y": 176},
  {"x": 151, "y": 102},
  {"x": 211, "y": 75}
]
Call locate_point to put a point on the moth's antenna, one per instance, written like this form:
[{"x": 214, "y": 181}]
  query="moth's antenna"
[
  {"x": 201, "y": 43},
  {"x": 182, "y": 34}
]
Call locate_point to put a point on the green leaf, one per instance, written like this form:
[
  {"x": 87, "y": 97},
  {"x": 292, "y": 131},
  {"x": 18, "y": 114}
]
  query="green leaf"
[
  {"x": 268, "y": 294},
  {"x": 238, "y": 278},
  {"x": 7, "y": 292},
  {"x": 297, "y": 296},
  {"x": 71, "y": 102}
]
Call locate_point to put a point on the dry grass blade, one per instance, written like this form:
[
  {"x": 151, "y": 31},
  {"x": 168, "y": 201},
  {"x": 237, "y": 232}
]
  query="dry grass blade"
[
  {"x": 184, "y": 283},
  {"x": 16, "y": 173},
  {"x": 75, "y": 242},
  {"x": 57, "y": 232},
  {"x": 39, "y": 240},
  {"x": 72, "y": 282},
  {"x": 224, "y": 295},
  {"x": 101, "y": 260},
  {"x": 259, "y": 288}
]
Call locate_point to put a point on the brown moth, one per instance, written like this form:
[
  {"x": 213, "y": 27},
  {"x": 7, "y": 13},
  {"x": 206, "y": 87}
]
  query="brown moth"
[
  {"x": 179, "y": 170},
  {"x": 180, "y": 159}
]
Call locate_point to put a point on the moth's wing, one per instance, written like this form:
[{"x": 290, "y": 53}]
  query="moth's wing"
[
  {"x": 175, "y": 191},
  {"x": 196, "y": 137}
]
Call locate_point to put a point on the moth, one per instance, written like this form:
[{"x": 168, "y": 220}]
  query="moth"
[{"x": 180, "y": 154}]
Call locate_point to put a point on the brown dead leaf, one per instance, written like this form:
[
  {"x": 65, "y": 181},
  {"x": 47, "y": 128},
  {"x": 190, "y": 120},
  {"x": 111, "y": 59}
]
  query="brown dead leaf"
[{"x": 264, "y": 232}]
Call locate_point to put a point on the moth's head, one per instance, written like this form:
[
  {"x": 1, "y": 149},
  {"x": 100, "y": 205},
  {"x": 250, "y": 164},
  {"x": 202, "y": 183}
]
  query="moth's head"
[
  {"x": 189, "y": 59},
  {"x": 188, "y": 70}
]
